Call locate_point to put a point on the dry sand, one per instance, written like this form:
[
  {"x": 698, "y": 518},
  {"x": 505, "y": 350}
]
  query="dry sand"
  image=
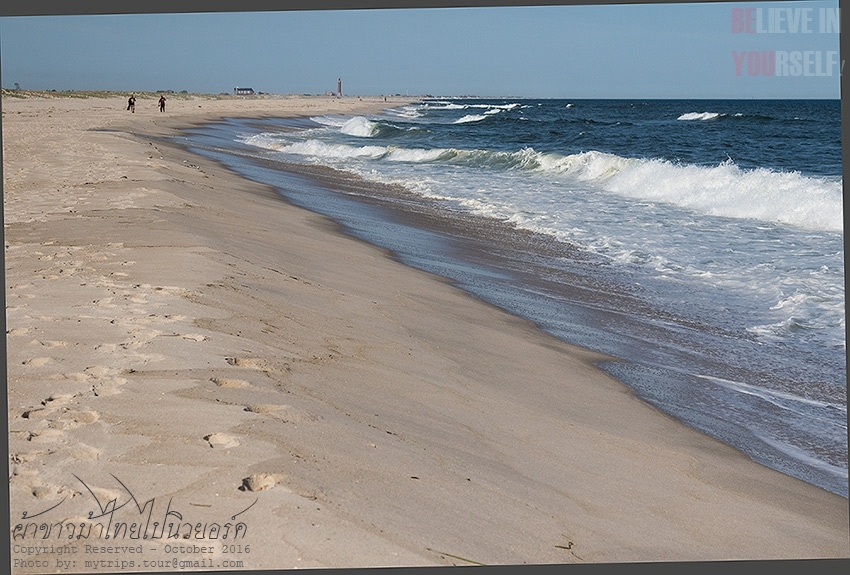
[{"x": 187, "y": 346}]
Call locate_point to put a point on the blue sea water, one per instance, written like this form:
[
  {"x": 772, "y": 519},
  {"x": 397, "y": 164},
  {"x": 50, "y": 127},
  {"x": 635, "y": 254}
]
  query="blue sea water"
[{"x": 699, "y": 242}]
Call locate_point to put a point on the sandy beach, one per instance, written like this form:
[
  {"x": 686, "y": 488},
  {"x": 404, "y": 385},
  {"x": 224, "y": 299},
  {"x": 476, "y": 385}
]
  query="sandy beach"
[{"x": 202, "y": 376}]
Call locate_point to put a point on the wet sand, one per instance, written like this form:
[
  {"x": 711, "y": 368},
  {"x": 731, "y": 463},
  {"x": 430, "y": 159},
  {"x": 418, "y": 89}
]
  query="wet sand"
[{"x": 183, "y": 343}]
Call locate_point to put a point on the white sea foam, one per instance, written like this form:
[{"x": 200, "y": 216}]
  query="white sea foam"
[
  {"x": 406, "y": 112},
  {"x": 804, "y": 456},
  {"x": 360, "y": 126},
  {"x": 444, "y": 106},
  {"x": 416, "y": 155},
  {"x": 691, "y": 116},
  {"x": 319, "y": 149},
  {"x": 265, "y": 140},
  {"x": 327, "y": 120},
  {"x": 510, "y": 106},
  {"x": 723, "y": 190},
  {"x": 470, "y": 118},
  {"x": 726, "y": 190},
  {"x": 778, "y": 398},
  {"x": 440, "y": 105}
]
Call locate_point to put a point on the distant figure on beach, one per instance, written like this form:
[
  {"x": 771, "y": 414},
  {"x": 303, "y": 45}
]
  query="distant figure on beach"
[
  {"x": 162, "y": 103},
  {"x": 131, "y": 104}
]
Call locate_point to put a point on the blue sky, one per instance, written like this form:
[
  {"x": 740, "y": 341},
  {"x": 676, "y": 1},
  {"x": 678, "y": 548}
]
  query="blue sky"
[{"x": 685, "y": 50}]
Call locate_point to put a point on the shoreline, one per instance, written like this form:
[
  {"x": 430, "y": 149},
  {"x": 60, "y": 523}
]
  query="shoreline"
[
  {"x": 377, "y": 415},
  {"x": 501, "y": 264}
]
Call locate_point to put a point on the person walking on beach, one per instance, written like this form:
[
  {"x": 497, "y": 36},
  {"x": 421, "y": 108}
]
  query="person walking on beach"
[
  {"x": 162, "y": 103},
  {"x": 131, "y": 104}
]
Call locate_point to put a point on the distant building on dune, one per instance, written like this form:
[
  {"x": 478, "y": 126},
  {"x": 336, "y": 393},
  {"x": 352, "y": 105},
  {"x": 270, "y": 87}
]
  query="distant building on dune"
[{"x": 243, "y": 91}]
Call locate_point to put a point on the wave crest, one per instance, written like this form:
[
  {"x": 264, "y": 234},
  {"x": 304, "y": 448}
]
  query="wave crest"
[
  {"x": 360, "y": 126},
  {"x": 699, "y": 116},
  {"x": 724, "y": 190}
]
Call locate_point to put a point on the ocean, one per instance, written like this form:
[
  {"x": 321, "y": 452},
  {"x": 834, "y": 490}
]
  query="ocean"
[{"x": 700, "y": 243}]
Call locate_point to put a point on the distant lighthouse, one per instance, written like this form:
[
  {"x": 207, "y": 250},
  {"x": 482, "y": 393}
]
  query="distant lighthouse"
[{"x": 339, "y": 87}]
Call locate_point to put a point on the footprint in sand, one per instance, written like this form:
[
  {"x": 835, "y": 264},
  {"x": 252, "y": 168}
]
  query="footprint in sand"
[
  {"x": 61, "y": 417},
  {"x": 37, "y": 361},
  {"x": 194, "y": 336},
  {"x": 57, "y": 399},
  {"x": 264, "y": 408},
  {"x": 46, "y": 436},
  {"x": 20, "y": 458},
  {"x": 287, "y": 413},
  {"x": 100, "y": 382},
  {"x": 260, "y": 481},
  {"x": 36, "y": 413},
  {"x": 253, "y": 362},
  {"x": 19, "y": 330},
  {"x": 107, "y": 348},
  {"x": 83, "y": 452},
  {"x": 107, "y": 388},
  {"x": 258, "y": 363},
  {"x": 104, "y": 379},
  {"x": 229, "y": 382},
  {"x": 49, "y": 343},
  {"x": 221, "y": 440},
  {"x": 28, "y": 479},
  {"x": 100, "y": 371},
  {"x": 42, "y": 490},
  {"x": 77, "y": 418}
]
